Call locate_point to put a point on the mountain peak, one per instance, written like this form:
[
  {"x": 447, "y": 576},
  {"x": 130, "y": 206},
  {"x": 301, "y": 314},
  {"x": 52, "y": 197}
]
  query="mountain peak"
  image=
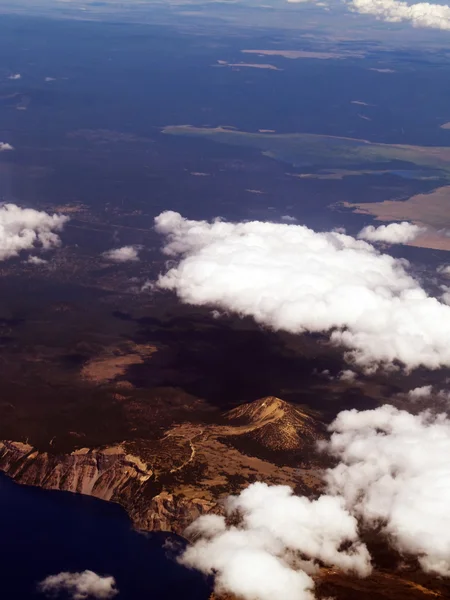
[{"x": 275, "y": 423}]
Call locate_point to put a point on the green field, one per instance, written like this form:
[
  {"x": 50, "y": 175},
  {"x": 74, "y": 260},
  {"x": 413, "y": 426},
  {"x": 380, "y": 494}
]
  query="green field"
[{"x": 323, "y": 151}]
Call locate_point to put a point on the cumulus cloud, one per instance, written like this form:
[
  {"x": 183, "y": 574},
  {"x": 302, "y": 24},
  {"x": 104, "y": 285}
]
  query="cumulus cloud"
[
  {"x": 420, "y": 392},
  {"x": 443, "y": 395},
  {"x": 427, "y": 391},
  {"x": 79, "y": 585},
  {"x": 443, "y": 269},
  {"x": 275, "y": 544},
  {"x": 4, "y": 146},
  {"x": 15, "y": 76},
  {"x": 124, "y": 254},
  {"x": 27, "y": 229},
  {"x": 395, "y": 471},
  {"x": 440, "y": 397},
  {"x": 289, "y": 277},
  {"x": 347, "y": 375},
  {"x": 36, "y": 260},
  {"x": 420, "y": 14},
  {"x": 445, "y": 296},
  {"x": 148, "y": 286},
  {"x": 393, "y": 474},
  {"x": 394, "y": 233}
]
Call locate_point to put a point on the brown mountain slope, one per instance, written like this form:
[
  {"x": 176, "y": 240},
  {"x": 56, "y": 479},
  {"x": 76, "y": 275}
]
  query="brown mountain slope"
[{"x": 275, "y": 424}]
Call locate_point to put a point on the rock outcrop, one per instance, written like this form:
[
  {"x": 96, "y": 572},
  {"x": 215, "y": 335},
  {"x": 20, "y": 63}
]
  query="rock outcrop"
[
  {"x": 103, "y": 473},
  {"x": 109, "y": 474},
  {"x": 171, "y": 512}
]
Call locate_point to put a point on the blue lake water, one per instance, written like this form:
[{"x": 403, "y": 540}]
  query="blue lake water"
[{"x": 44, "y": 533}]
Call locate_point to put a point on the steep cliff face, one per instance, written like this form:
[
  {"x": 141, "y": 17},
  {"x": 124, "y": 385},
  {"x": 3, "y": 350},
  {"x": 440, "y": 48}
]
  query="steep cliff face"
[
  {"x": 109, "y": 474},
  {"x": 101, "y": 473}
]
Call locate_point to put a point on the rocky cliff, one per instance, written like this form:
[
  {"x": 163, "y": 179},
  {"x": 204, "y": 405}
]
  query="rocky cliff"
[
  {"x": 116, "y": 474},
  {"x": 165, "y": 482},
  {"x": 109, "y": 474},
  {"x": 102, "y": 473}
]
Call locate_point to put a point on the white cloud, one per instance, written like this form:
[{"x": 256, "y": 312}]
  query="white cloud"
[
  {"x": 148, "y": 286},
  {"x": 15, "y": 76},
  {"x": 440, "y": 397},
  {"x": 393, "y": 476},
  {"x": 4, "y": 146},
  {"x": 79, "y": 585},
  {"x": 443, "y": 269},
  {"x": 444, "y": 395},
  {"x": 288, "y": 219},
  {"x": 27, "y": 229},
  {"x": 36, "y": 260},
  {"x": 259, "y": 556},
  {"x": 445, "y": 296},
  {"x": 395, "y": 471},
  {"x": 347, "y": 375},
  {"x": 420, "y": 392},
  {"x": 289, "y": 277},
  {"x": 420, "y": 14},
  {"x": 394, "y": 233},
  {"x": 124, "y": 254}
]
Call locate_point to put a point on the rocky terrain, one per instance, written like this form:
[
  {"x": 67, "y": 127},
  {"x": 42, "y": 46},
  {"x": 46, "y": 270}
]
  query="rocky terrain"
[
  {"x": 167, "y": 415},
  {"x": 275, "y": 424},
  {"x": 165, "y": 483}
]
